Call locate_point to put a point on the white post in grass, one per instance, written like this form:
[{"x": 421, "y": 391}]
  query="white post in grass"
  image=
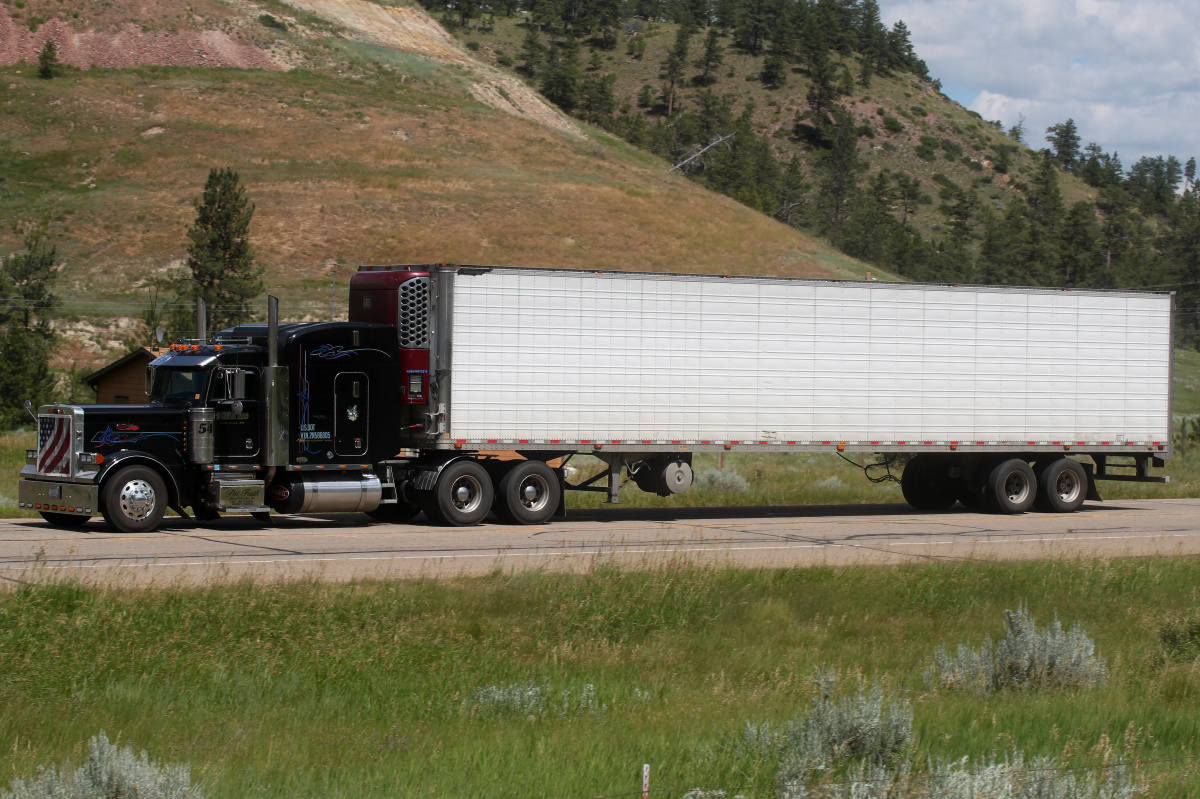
[{"x": 646, "y": 781}]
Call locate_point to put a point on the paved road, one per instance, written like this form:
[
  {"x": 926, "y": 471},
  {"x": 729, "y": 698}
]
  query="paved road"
[{"x": 345, "y": 547}]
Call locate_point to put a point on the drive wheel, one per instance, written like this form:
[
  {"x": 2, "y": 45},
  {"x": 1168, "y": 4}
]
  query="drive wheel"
[
  {"x": 925, "y": 487},
  {"x": 1011, "y": 487},
  {"x": 462, "y": 495},
  {"x": 69, "y": 520},
  {"x": 134, "y": 499},
  {"x": 398, "y": 513},
  {"x": 1062, "y": 486},
  {"x": 528, "y": 493}
]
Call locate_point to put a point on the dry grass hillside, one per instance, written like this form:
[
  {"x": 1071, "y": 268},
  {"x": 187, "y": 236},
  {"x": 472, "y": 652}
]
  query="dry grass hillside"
[{"x": 352, "y": 149}]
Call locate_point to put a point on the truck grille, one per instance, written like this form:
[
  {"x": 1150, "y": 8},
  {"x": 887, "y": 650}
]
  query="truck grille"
[
  {"x": 54, "y": 445},
  {"x": 413, "y": 324}
]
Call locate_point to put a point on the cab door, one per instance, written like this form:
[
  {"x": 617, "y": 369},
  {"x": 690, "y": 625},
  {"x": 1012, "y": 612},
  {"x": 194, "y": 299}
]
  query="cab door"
[
  {"x": 351, "y": 420},
  {"x": 237, "y": 430}
]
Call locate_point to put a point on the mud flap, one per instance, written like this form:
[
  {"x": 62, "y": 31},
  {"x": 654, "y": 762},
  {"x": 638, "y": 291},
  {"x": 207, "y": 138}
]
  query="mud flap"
[{"x": 1093, "y": 494}]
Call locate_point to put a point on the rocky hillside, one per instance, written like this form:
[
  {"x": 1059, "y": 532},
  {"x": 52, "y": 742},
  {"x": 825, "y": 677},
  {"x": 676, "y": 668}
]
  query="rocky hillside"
[{"x": 362, "y": 134}]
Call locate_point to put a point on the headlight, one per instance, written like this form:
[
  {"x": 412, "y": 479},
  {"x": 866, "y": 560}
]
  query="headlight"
[
  {"x": 90, "y": 459},
  {"x": 31, "y": 456}
]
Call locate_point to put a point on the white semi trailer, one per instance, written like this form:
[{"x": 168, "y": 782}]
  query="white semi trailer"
[{"x": 990, "y": 393}]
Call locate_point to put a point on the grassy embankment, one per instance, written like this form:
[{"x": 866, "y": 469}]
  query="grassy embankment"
[{"x": 374, "y": 689}]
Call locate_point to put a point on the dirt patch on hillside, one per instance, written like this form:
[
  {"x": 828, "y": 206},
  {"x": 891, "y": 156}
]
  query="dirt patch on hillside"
[
  {"x": 128, "y": 46},
  {"x": 413, "y": 31}
]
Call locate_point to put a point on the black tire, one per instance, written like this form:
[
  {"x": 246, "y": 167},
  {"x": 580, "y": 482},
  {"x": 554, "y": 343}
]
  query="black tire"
[
  {"x": 462, "y": 496},
  {"x": 1062, "y": 486},
  {"x": 528, "y": 493},
  {"x": 925, "y": 486},
  {"x": 68, "y": 520},
  {"x": 395, "y": 514},
  {"x": 1011, "y": 487},
  {"x": 134, "y": 499}
]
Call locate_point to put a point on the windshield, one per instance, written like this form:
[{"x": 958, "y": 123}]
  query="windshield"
[{"x": 177, "y": 384}]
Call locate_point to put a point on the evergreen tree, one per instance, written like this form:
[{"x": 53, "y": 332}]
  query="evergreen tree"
[
  {"x": 1017, "y": 131},
  {"x": 754, "y": 25},
  {"x": 793, "y": 192},
  {"x": 27, "y": 340},
  {"x": 839, "y": 174},
  {"x": 533, "y": 53},
  {"x": 1064, "y": 140},
  {"x": 712, "y": 57},
  {"x": 220, "y": 257},
  {"x": 774, "y": 71},
  {"x": 596, "y": 101},
  {"x": 673, "y": 66},
  {"x": 48, "y": 63},
  {"x": 561, "y": 82}
]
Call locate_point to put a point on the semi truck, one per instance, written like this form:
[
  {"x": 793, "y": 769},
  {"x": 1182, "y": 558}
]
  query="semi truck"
[{"x": 1000, "y": 398}]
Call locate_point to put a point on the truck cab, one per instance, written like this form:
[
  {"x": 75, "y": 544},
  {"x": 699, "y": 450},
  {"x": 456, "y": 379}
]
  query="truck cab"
[{"x": 252, "y": 419}]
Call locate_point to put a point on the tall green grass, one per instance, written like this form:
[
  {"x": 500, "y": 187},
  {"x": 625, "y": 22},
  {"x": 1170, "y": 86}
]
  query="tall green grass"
[{"x": 398, "y": 688}]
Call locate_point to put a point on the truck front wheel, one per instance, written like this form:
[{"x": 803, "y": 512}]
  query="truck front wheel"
[
  {"x": 528, "y": 493},
  {"x": 134, "y": 499},
  {"x": 462, "y": 495}
]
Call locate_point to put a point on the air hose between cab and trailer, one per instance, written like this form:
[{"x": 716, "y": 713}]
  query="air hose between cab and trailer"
[{"x": 888, "y": 460}]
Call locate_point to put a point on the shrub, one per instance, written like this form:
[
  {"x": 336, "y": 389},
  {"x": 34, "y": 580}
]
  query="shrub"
[
  {"x": 473, "y": 45},
  {"x": 529, "y": 699},
  {"x": 720, "y": 480},
  {"x": 504, "y": 60},
  {"x": 271, "y": 22},
  {"x": 892, "y": 124},
  {"x": 110, "y": 773},
  {"x": 926, "y": 153},
  {"x": 1026, "y": 658},
  {"x": 919, "y": 111},
  {"x": 861, "y": 729}
]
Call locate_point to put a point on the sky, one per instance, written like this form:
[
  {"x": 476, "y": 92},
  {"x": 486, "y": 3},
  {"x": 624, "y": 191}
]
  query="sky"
[{"x": 1127, "y": 71}]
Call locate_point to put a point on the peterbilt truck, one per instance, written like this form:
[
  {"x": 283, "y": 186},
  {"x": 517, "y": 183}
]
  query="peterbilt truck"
[{"x": 989, "y": 396}]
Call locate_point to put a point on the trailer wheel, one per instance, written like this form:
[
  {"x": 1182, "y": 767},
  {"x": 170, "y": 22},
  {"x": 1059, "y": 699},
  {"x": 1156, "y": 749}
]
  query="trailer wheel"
[
  {"x": 925, "y": 487},
  {"x": 134, "y": 499},
  {"x": 462, "y": 495},
  {"x": 1062, "y": 486},
  {"x": 1011, "y": 487},
  {"x": 528, "y": 493},
  {"x": 69, "y": 520}
]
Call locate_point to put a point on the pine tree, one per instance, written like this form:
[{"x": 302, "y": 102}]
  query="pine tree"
[
  {"x": 673, "y": 66},
  {"x": 27, "y": 340},
  {"x": 839, "y": 173},
  {"x": 48, "y": 63},
  {"x": 561, "y": 82},
  {"x": 533, "y": 53},
  {"x": 220, "y": 257},
  {"x": 1064, "y": 139},
  {"x": 712, "y": 57}
]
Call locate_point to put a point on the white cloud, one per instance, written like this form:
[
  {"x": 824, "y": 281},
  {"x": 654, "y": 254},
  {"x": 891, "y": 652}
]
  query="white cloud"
[{"x": 1128, "y": 73}]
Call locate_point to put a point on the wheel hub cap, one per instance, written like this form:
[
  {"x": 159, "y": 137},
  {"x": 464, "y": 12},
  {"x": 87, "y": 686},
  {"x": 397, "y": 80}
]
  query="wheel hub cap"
[{"x": 137, "y": 500}]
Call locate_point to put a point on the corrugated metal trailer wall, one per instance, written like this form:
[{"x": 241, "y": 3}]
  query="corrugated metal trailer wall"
[{"x": 572, "y": 357}]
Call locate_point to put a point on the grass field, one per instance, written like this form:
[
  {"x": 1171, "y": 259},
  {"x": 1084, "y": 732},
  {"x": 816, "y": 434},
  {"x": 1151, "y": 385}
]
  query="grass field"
[{"x": 563, "y": 686}]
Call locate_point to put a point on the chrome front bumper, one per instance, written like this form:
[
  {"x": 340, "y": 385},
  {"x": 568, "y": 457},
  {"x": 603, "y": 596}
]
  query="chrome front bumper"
[{"x": 56, "y": 497}]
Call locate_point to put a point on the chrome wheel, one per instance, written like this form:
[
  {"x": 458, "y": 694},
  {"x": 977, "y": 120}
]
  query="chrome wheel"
[{"x": 136, "y": 500}]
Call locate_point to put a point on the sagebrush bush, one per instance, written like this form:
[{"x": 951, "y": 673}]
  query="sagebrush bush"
[
  {"x": 862, "y": 729},
  {"x": 720, "y": 480},
  {"x": 529, "y": 699},
  {"x": 1026, "y": 658},
  {"x": 109, "y": 773}
]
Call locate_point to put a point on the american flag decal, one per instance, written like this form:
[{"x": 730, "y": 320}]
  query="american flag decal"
[{"x": 54, "y": 445}]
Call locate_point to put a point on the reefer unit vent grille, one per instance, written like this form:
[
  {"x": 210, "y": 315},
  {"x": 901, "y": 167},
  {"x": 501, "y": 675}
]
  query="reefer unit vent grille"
[{"x": 414, "y": 313}]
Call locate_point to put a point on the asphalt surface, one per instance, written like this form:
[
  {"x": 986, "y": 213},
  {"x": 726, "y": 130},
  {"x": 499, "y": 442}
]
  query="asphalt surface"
[{"x": 345, "y": 547}]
